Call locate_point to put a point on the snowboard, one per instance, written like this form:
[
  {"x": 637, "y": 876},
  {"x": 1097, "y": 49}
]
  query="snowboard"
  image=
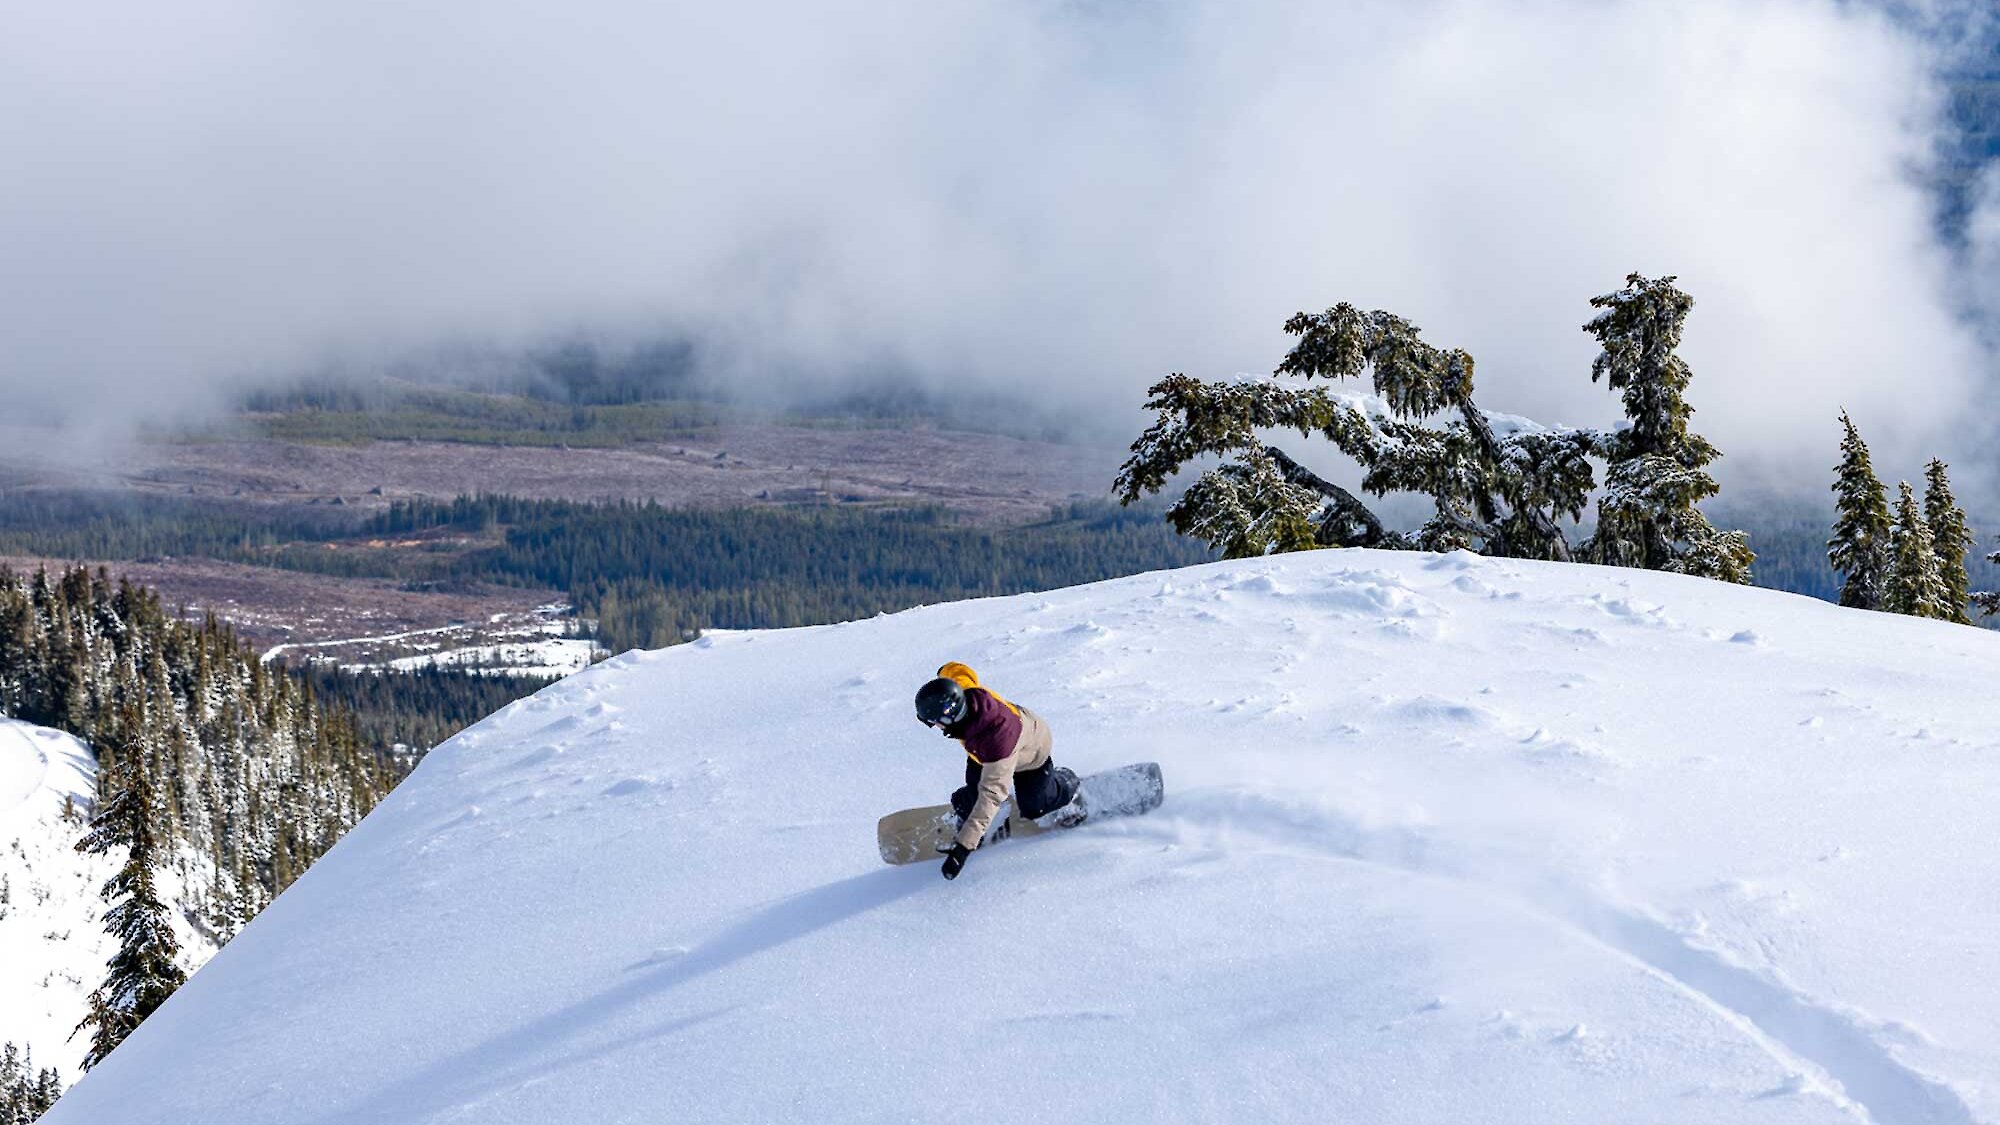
[{"x": 914, "y": 835}]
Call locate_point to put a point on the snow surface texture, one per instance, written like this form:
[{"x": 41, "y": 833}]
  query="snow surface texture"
[
  {"x": 1445, "y": 839},
  {"x": 53, "y": 947}
]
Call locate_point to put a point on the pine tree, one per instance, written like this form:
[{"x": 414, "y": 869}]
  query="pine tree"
[
  {"x": 14, "y": 1084},
  {"x": 1915, "y": 586},
  {"x": 1658, "y": 467},
  {"x": 1952, "y": 540},
  {"x": 106, "y": 663},
  {"x": 47, "y": 1089},
  {"x": 1500, "y": 490},
  {"x": 142, "y": 972},
  {"x": 1988, "y": 601},
  {"x": 25, "y": 1093},
  {"x": 1859, "y": 549}
]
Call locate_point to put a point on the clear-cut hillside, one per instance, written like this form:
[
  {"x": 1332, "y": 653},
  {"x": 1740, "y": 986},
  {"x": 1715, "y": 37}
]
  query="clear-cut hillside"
[{"x": 1446, "y": 839}]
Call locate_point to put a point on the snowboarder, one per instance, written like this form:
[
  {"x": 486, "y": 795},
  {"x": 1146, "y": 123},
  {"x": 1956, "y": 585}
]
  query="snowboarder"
[{"x": 1007, "y": 750}]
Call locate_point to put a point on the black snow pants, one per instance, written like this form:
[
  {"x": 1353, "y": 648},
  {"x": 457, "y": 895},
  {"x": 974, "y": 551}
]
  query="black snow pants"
[{"x": 1036, "y": 792}]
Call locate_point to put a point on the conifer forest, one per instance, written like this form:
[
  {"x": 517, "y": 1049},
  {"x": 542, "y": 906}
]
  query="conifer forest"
[{"x": 250, "y": 775}]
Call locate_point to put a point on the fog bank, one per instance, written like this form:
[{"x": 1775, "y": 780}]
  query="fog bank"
[{"x": 1065, "y": 199}]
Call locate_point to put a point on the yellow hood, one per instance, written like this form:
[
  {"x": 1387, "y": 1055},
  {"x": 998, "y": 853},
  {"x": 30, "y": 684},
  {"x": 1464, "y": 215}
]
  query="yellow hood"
[{"x": 965, "y": 677}]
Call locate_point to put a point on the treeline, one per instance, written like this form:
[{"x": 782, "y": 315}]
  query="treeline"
[
  {"x": 463, "y": 417},
  {"x": 117, "y": 525},
  {"x": 252, "y": 772},
  {"x": 414, "y": 710},
  {"x": 1972, "y": 93},
  {"x": 418, "y": 710},
  {"x": 1910, "y": 559},
  {"x": 847, "y": 558},
  {"x": 580, "y": 393},
  {"x": 651, "y": 576},
  {"x": 25, "y": 1092},
  {"x": 566, "y": 394},
  {"x": 574, "y": 372},
  {"x": 1792, "y": 550},
  {"x": 109, "y": 526},
  {"x": 1791, "y": 543},
  {"x": 472, "y": 514}
]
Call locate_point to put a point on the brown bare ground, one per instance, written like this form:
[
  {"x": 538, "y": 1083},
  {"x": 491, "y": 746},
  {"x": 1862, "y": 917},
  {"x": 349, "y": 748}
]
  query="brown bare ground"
[
  {"x": 272, "y": 607},
  {"x": 990, "y": 478}
]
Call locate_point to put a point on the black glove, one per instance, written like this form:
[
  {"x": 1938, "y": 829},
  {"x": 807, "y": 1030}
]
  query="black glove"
[{"x": 954, "y": 860}]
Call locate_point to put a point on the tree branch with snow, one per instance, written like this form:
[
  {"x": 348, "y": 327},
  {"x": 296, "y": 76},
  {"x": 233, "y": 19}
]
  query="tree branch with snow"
[{"x": 1498, "y": 484}]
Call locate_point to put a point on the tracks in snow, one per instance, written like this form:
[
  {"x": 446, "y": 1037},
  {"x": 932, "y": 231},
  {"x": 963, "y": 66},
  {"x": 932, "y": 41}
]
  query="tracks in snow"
[
  {"x": 24, "y": 767},
  {"x": 1791, "y": 1026},
  {"x": 1892, "y": 1093}
]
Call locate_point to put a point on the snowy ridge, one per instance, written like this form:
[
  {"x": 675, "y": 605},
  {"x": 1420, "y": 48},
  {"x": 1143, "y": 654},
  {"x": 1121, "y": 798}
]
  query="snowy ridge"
[{"x": 1446, "y": 838}]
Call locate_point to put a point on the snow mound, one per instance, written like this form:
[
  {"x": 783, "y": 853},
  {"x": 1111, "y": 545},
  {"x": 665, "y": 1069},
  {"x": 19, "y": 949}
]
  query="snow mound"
[{"x": 1445, "y": 839}]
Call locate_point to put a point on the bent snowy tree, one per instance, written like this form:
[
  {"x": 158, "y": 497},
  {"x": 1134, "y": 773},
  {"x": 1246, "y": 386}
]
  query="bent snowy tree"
[{"x": 1499, "y": 484}]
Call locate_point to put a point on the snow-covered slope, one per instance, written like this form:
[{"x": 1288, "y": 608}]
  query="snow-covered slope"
[
  {"x": 1446, "y": 839},
  {"x": 51, "y": 951},
  {"x": 52, "y": 945}
]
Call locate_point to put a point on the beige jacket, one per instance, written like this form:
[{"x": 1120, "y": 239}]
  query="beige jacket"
[{"x": 996, "y": 779}]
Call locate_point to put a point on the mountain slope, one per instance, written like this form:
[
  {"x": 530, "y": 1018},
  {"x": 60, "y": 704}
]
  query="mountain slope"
[
  {"x": 53, "y": 947},
  {"x": 1446, "y": 838}
]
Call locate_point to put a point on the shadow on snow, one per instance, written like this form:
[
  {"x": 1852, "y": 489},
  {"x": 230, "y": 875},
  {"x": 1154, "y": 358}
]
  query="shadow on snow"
[{"x": 522, "y": 1054}]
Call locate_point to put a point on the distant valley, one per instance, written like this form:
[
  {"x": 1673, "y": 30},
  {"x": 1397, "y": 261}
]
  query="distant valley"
[{"x": 306, "y": 478}]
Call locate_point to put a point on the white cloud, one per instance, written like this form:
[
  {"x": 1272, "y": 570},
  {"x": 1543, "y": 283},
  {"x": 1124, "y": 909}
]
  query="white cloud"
[{"x": 1069, "y": 197}]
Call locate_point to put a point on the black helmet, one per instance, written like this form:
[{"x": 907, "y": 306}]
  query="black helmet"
[{"x": 941, "y": 702}]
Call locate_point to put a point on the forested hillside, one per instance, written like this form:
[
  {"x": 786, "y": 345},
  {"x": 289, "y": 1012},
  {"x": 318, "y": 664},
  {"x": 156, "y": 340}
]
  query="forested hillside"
[
  {"x": 1973, "y": 89},
  {"x": 406, "y": 712},
  {"x": 1791, "y": 550},
  {"x": 652, "y": 576},
  {"x": 649, "y": 575},
  {"x": 252, "y": 773},
  {"x": 582, "y": 394}
]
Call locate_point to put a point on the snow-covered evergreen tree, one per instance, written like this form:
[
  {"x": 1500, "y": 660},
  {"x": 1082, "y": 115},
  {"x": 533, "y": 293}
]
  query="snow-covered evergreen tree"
[
  {"x": 1658, "y": 467},
  {"x": 25, "y": 1093},
  {"x": 1951, "y": 539},
  {"x": 248, "y": 770},
  {"x": 143, "y": 972},
  {"x": 1859, "y": 549},
  {"x": 1915, "y": 587},
  {"x": 1496, "y": 488},
  {"x": 1988, "y": 601},
  {"x": 1498, "y": 485}
]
